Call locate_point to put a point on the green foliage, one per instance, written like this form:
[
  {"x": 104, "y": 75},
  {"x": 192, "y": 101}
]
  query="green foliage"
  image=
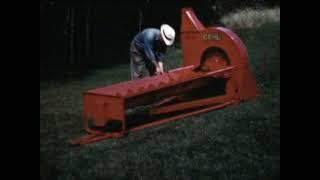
[
  {"x": 210, "y": 12},
  {"x": 250, "y": 18}
]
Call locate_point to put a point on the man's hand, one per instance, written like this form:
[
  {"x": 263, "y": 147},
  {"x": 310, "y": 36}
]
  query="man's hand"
[
  {"x": 158, "y": 70},
  {"x": 160, "y": 63},
  {"x": 159, "y": 67}
]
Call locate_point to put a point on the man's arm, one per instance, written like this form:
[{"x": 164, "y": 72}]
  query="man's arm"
[
  {"x": 148, "y": 48},
  {"x": 160, "y": 57},
  {"x": 149, "y": 51},
  {"x": 155, "y": 63}
]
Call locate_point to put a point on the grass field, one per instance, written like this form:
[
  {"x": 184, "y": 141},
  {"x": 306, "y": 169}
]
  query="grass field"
[{"x": 240, "y": 142}]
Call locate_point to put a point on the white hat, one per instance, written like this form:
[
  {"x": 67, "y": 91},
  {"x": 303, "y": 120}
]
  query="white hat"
[{"x": 168, "y": 34}]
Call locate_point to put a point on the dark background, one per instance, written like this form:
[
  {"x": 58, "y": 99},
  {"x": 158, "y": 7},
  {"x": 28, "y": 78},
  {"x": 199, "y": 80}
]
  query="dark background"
[{"x": 76, "y": 36}]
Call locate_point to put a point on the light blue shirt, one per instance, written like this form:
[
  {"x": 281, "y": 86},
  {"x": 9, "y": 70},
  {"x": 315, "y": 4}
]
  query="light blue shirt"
[{"x": 148, "y": 42}]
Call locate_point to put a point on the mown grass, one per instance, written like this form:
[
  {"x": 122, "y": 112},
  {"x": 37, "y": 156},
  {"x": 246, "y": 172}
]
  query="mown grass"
[{"x": 239, "y": 142}]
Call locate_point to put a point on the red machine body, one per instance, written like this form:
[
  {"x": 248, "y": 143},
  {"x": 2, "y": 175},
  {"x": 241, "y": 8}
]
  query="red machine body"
[{"x": 216, "y": 74}]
